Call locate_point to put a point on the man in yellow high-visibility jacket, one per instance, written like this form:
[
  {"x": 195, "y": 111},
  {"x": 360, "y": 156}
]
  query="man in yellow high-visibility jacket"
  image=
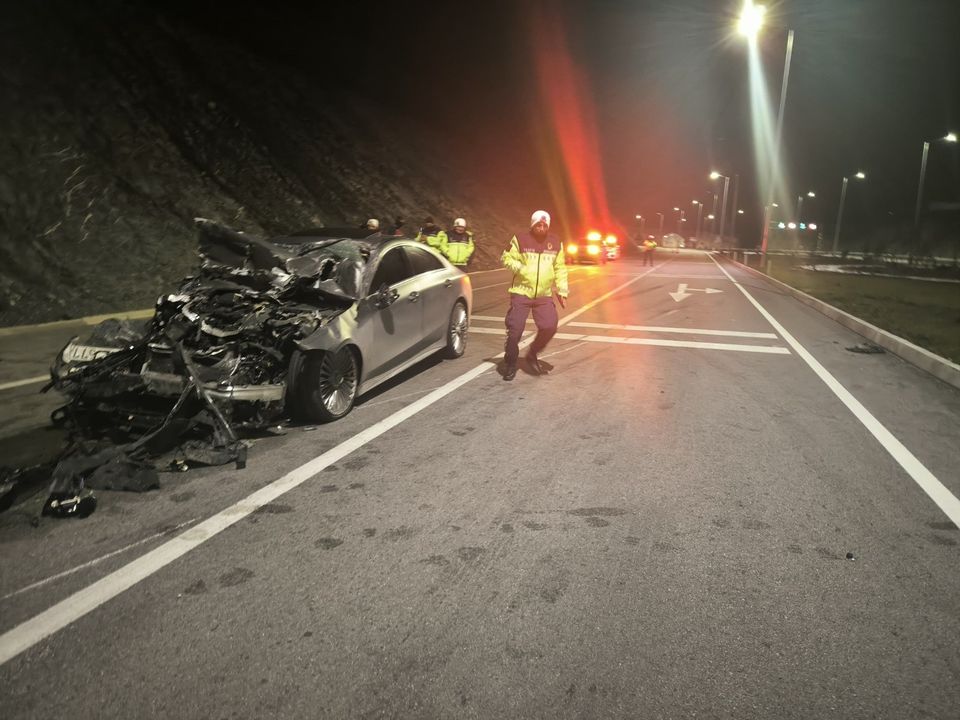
[
  {"x": 431, "y": 234},
  {"x": 460, "y": 245},
  {"x": 536, "y": 259}
]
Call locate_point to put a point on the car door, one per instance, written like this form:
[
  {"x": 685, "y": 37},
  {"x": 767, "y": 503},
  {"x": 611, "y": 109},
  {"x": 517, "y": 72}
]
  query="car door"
[
  {"x": 437, "y": 293},
  {"x": 390, "y": 332}
]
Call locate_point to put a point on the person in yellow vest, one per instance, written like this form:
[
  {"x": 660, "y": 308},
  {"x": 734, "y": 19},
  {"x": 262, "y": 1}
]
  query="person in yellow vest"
[
  {"x": 535, "y": 257},
  {"x": 431, "y": 234},
  {"x": 646, "y": 251},
  {"x": 460, "y": 245}
]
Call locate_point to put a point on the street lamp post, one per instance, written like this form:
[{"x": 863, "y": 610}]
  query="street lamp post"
[
  {"x": 843, "y": 198},
  {"x": 810, "y": 194},
  {"x": 949, "y": 137},
  {"x": 751, "y": 20},
  {"x": 712, "y": 218},
  {"x": 723, "y": 207},
  {"x": 733, "y": 215},
  {"x": 643, "y": 221}
]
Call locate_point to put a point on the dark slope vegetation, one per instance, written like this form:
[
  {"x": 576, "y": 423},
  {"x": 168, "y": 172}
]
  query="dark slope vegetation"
[{"x": 120, "y": 126}]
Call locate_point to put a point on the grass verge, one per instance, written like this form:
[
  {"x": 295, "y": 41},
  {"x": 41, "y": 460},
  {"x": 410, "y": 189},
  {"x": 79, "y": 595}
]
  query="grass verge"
[{"x": 923, "y": 312}]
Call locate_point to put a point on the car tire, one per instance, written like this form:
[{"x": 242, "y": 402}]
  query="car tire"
[
  {"x": 457, "y": 330},
  {"x": 323, "y": 384}
]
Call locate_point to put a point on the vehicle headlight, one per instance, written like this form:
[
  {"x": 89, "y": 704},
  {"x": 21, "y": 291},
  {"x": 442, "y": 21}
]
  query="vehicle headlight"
[
  {"x": 593, "y": 250},
  {"x": 572, "y": 249}
]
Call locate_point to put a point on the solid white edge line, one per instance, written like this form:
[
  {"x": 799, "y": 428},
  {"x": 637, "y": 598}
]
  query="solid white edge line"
[
  {"x": 927, "y": 481},
  {"x": 30, "y": 632},
  {"x": 26, "y": 381},
  {"x": 95, "y": 561}
]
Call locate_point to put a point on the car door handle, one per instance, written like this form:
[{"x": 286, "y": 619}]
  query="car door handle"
[
  {"x": 447, "y": 283},
  {"x": 414, "y": 296}
]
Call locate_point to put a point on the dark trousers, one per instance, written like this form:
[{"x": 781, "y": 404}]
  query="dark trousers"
[
  {"x": 544, "y": 315},
  {"x": 647, "y": 258}
]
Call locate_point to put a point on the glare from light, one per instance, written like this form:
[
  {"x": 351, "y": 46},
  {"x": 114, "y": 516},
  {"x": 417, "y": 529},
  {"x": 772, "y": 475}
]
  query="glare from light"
[
  {"x": 710, "y": 216},
  {"x": 811, "y": 194},
  {"x": 861, "y": 175},
  {"x": 676, "y": 209},
  {"x": 739, "y": 212},
  {"x": 593, "y": 235},
  {"x": 951, "y": 137},
  {"x": 782, "y": 225},
  {"x": 792, "y": 225},
  {"x": 751, "y": 19},
  {"x": 714, "y": 175},
  {"x": 812, "y": 226},
  {"x": 639, "y": 217},
  {"x": 776, "y": 205},
  {"x": 697, "y": 202}
]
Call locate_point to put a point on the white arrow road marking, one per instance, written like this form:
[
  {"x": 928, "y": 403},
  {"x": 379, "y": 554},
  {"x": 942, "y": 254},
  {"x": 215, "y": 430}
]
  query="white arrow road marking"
[{"x": 683, "y": 293}]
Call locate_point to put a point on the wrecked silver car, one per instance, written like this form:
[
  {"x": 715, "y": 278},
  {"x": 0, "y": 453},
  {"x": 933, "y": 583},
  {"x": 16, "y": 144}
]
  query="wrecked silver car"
[
  {"x": 300, "y": 324},
  {"x": 295, "y": 326}
]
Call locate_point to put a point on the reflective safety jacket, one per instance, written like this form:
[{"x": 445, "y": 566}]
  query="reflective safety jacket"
[
  {"x": 649, "y": 245},
  {"x": 434, "y": 237},
  {"x": 537, "y": 265},
  {"x": 459, "y": 247}
]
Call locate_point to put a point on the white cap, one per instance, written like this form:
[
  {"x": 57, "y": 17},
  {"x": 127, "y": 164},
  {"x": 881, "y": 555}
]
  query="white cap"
[
  {"x": 460, "y": 222},
  {"x": 373, "y": 224},
  {"x": 540, "y": 216}
]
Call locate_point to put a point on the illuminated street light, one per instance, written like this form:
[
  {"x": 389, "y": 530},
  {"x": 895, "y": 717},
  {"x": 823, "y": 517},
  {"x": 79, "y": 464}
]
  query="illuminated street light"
[
  {"x": 843, "y": 196},
  {"x": 949, "y": 137},
  {"x": 699, "y": 216},
  {"x": 751, "y": 20},
  {"x": 810, "y": 194},
  {"x": 740, "y": 212},
  {"x": 749, "y": 24},
  {"x": 723, "y": 206}
]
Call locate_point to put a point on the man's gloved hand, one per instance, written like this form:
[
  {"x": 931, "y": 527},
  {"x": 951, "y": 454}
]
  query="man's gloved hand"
[{"x": 562, "y": 299}]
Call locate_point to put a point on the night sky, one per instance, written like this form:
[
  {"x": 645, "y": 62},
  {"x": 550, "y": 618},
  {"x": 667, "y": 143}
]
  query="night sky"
[{"x": 624, "y": 107}]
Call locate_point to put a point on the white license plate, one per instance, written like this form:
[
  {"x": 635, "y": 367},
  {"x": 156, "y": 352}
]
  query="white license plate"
[{"x": 75, "y": 352}]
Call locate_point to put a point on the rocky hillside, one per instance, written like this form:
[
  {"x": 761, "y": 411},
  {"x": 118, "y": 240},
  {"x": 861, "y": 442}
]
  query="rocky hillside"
[{"x": 121, "y": 125}]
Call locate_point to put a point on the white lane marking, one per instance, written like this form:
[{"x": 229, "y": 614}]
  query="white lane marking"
[
  {"x": 32, "y": 631},
  {"x": 771, "y": 349},
  {"x": 29, "y": 633},
  {"x": 935, "y": 489},
  {"x": 682, "y": 331},
  {"x": 485, "y": 287},
  {"x": 689, "y": 277},
  {"x": 26, "y": 381},
  {"x": 95, "y": 561}
]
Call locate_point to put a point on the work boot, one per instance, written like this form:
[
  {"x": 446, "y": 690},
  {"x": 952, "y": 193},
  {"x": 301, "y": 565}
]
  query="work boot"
[
  {"x": 509, "y": 372},
  {"x": 535, "y": 367}
]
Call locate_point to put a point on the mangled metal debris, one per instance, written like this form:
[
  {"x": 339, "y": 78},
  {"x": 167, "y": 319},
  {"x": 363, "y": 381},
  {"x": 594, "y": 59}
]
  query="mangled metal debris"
[
  {"x": 209, "y": 366},
  {"x": 299, "y": 324}
]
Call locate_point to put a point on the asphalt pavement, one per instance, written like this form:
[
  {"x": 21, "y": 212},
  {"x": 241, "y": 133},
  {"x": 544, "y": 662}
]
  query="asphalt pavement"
[{"x": 710, "y": 507}]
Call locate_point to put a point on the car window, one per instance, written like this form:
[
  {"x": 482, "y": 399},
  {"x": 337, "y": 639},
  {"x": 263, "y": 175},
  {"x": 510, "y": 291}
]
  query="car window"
[
  {"x": 421, "y": 261},
  {"x": 393, "y": 268}
]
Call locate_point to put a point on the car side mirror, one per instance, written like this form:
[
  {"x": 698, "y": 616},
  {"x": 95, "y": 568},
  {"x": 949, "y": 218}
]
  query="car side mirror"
[{"x": 386, "y": 297}]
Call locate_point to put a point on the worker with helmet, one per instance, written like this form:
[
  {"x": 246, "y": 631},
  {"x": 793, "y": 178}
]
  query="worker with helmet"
[
  {"x": 535, "y": 257},
  {"x": 460, "y": 245}
]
